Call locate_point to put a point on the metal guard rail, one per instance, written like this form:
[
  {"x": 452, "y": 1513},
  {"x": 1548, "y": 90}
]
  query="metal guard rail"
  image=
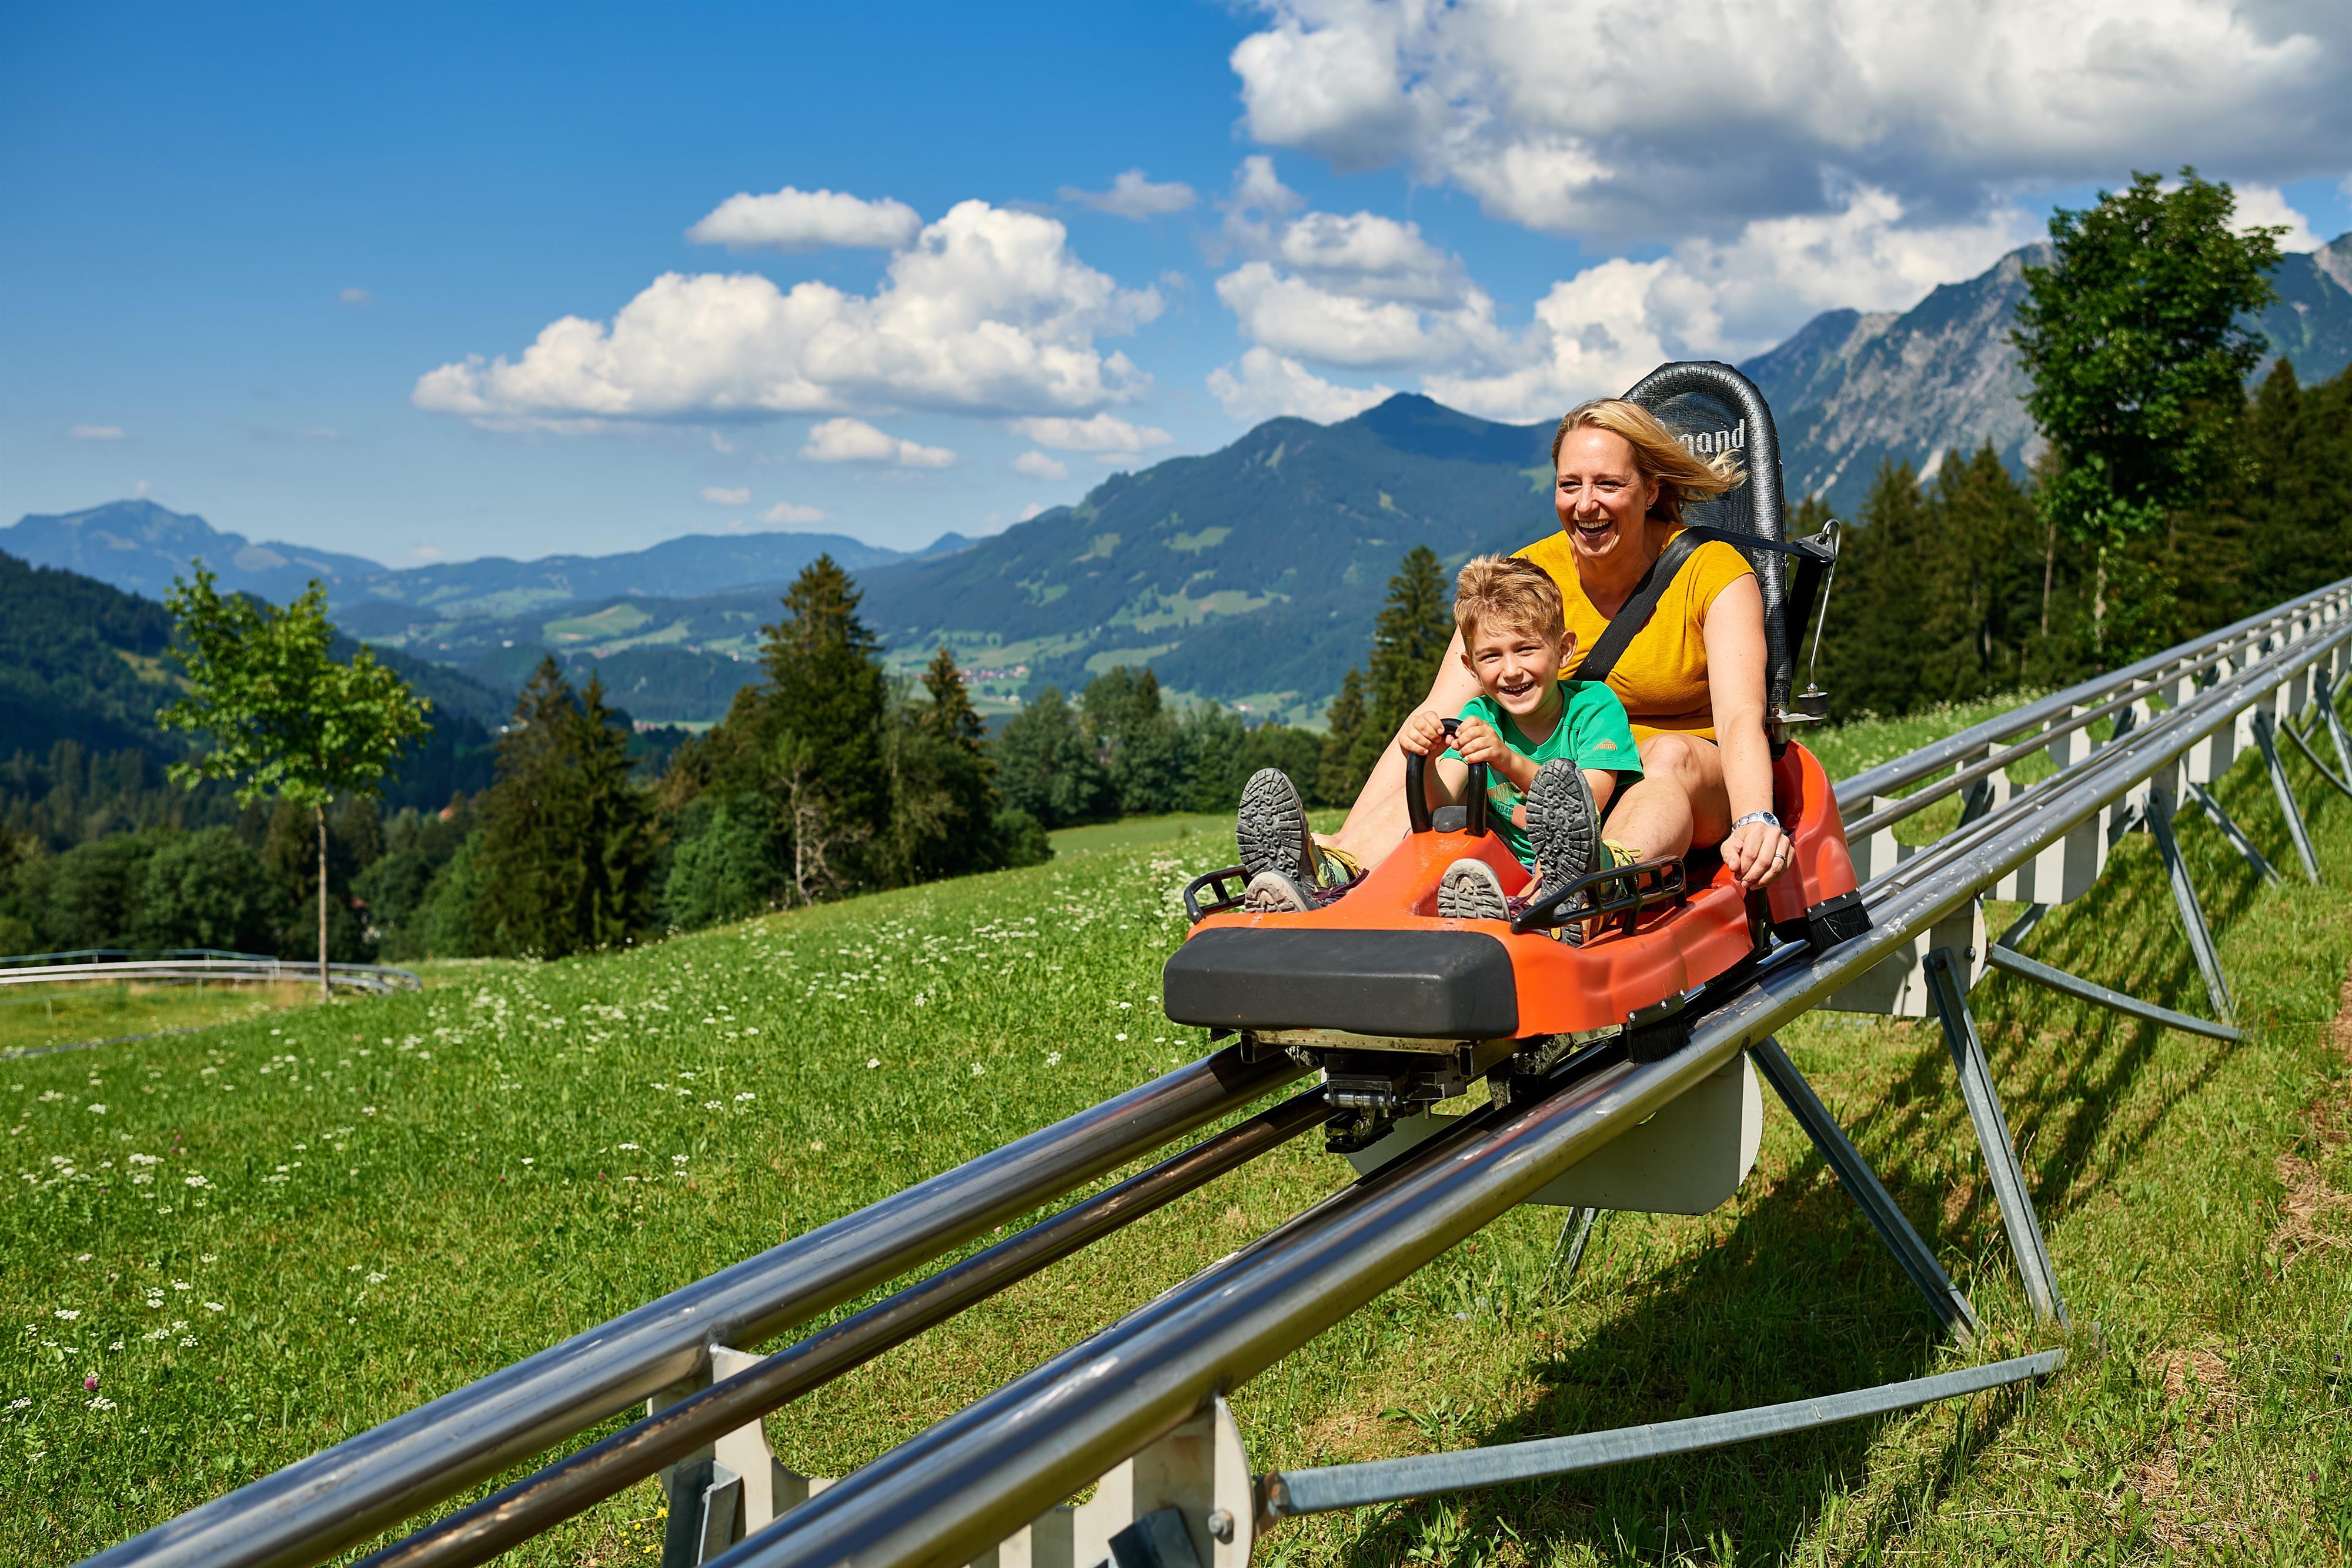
[
  {"x": 377, "y": 979},
  {"x": 2043, "y": 713}
]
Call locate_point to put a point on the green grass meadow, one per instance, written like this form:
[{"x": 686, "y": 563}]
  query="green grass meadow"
[{"x": 223, "y": 1250}]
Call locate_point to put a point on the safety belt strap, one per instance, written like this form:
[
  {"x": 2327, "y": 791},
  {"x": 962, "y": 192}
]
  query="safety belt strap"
[{"x": 1642, "y": 602}]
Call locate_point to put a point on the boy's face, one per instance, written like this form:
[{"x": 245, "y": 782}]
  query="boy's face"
[{"x": 1517, "y": 665}]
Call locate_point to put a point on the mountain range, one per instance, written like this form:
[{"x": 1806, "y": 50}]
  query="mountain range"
[
  {"x": 140, "y": 547},
  {"x": 1250, "y": 575},
  {"x": 1852, "y": 389}
]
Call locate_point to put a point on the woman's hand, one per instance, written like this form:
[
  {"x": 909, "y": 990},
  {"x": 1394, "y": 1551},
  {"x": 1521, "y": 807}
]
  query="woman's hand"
[
  {"x": 1423, "y": 735},
  {"x": 1757, "y": 855}
]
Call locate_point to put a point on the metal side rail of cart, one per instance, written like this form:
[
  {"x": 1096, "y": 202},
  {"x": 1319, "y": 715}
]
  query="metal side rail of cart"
[{"x": 1138, "y": 1410}]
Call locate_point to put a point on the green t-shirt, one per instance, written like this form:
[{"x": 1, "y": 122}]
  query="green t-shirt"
[{"x": 1592, "y": 733}]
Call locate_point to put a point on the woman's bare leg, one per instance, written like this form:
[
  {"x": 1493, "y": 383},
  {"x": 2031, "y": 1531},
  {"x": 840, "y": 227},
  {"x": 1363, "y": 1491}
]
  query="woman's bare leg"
[
  {"x": 1376, "y": 823},
  {"x": 1680, "y": 799}
]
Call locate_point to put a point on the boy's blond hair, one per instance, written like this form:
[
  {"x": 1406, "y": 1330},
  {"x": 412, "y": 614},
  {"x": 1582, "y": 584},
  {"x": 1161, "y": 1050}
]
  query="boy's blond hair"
[{"x": 1508, "y": 591}]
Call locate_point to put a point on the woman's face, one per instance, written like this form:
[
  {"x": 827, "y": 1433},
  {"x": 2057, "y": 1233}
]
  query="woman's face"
[{"x": 1599, "y": 494}]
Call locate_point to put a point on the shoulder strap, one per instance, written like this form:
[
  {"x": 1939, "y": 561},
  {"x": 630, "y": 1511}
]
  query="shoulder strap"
[{"x": 1642, "y": 602}]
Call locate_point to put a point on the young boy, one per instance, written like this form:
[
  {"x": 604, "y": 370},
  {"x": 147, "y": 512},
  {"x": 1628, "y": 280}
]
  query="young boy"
[
  {"x": 1556, "y": 751},
  {"x": 1552, "y": 749}
]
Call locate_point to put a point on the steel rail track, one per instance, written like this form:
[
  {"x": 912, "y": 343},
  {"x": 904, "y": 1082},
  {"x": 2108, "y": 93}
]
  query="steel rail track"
[
  {"x": 312, "y": 1509},
  {"x": 307, "y": 1512},
  {"x": 1964, "y": 746},
  {"x": 950, "y": 1492},
  {"x": 512, "y": 1516}
]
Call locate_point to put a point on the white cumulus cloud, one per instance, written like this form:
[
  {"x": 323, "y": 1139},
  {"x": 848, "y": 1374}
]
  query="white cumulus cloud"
[
  {"x": 1357, "y": 289},
  {"x": 1102, "y": 433},
  {"x": 806, "y": 220},
  {"x": 855, "y": 441},
  {"x": 1689, "y": 116},
  {"x": 723, "y": 495},
  {"x": 1598, "y": 332},
  {"x": 986, "y": 312},
  {"x": 791, "y": 512},
  {"x": 1037, "y": 465},
  {"x": 1262, "y": 385},
  {"x": 2262, "y": 206},
  {"x": 1131, "y": 195}
]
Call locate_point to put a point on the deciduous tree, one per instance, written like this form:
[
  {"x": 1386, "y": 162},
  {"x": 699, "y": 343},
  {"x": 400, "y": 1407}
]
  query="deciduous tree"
[
  {"x": 2133, "y": 337},
  {"x": 285, "y": 719}
]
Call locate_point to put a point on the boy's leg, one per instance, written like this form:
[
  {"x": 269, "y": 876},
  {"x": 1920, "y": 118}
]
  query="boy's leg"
[{"x": 1270, "y": 828}]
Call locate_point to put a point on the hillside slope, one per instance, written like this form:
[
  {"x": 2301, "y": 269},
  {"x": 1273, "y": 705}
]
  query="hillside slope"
[
  {"x": 1248, "y": 573},
  {"x": 81, "y": 661}
]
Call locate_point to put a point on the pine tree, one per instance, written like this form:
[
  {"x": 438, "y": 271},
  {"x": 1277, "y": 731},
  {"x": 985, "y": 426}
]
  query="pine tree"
[
  {"x": 951, "y": 715},
  {"x": 566, "y": 854},
  {"x": 943, "y": 801},
  {"x": 807, "y": 748},
  {"x": 1409, "y": 641},
  {"x": 1046, "y": 767},
  {"x": 1138, "y": 744},
  {"x": 615, "y": 900},
  {"x": 1336, "y": 779}
]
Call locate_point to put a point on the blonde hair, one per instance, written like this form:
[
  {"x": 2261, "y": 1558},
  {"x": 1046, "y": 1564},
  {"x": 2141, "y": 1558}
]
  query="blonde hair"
[
  {"x": 1509, "y": 591},
  {"x": 1681, "y": 475}
]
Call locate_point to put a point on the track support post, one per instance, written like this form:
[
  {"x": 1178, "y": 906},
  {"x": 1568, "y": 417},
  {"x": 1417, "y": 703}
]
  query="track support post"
[
  {"x": 2161, "y": 808},
  {"x": 2326, "y": 694},
  {"x": 1993, "y": 1139},
  {"x": 1575, "y": 1235},
  {"x": 2265, "y": 737},
  {"x": 2234, "y": 833},
  {"x": 1893, "y": 1227}
]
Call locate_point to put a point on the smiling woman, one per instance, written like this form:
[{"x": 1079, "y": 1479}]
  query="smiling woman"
[{"x": 1692, "y": 678}]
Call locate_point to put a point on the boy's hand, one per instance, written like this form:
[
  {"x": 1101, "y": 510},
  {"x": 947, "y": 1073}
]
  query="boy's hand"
[
  {"x": 1423, "y": 735},
  {"x": 1475, "y": 741}
]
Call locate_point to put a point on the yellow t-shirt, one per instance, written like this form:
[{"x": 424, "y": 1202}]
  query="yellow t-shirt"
[{"x": 1662, "y": 675}]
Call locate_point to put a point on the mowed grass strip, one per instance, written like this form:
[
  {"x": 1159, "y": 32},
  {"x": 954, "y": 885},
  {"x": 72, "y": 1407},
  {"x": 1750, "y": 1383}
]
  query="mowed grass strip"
[{"x": 347, "y": 1210}]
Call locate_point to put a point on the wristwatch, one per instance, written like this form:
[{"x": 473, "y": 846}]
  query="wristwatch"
[{"x": 1767, "y": 818}]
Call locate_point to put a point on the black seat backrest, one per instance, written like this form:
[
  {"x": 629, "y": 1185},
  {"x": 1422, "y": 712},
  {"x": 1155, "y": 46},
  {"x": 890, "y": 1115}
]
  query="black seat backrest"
[{"x": 1714, "y": 407}]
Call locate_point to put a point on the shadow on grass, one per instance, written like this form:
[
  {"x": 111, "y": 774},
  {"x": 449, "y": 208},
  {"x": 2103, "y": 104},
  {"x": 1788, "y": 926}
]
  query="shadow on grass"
[{"x": 1799, "y": 1299}]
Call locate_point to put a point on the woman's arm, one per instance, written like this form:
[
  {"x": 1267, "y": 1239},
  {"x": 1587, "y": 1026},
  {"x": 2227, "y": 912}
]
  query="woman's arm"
[{"x": 1756, "y": 854}]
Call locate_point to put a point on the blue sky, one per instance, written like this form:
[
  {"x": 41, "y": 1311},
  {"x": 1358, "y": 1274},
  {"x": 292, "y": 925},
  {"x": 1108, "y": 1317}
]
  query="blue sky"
[{"x": 290, "y": 266}]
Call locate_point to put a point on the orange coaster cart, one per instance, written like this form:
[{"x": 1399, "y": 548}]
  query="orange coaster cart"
[{"x": 1399, "y": 1007}]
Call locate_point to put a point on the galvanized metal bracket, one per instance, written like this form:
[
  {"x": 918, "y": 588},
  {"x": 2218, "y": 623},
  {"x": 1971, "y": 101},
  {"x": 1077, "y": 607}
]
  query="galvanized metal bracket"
[
  {"x": 2009, "y": 961},
  {"x": 1999, "y": 1150},
  {"x": 2202, "y": 945},
  {"x": 2236, "y": 835},
  {"x": 1894, "y": 1229},
  {"x": 2265, "y": 725},
  {"x": 1292, "y": 1494}
]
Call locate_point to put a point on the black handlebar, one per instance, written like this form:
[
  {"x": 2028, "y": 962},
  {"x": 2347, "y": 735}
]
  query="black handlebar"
[{"x": 1416, "y": 793}]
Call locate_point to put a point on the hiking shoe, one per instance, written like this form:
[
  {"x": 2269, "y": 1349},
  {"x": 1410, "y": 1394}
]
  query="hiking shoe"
[
  {"x": 1471, "y": 890},
  {"x": 1275, "y": 892},
  {"x": 1270, "y": 828},
  {"x": 1562, "y": 822}
]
